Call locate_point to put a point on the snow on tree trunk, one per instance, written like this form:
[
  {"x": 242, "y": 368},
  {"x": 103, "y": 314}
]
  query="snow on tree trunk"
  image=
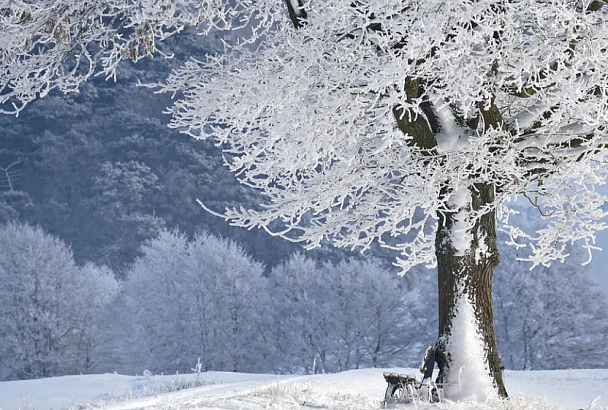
[{"x": 466, "y": 350}]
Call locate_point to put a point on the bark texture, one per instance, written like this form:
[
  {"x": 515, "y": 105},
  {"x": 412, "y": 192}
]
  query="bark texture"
[{"x": 474, "y": 272}]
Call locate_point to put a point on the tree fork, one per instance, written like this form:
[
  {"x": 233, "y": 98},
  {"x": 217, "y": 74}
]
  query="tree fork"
[
  {"x": 416, "y": 125},
  {"x": 297, "y": 13}
]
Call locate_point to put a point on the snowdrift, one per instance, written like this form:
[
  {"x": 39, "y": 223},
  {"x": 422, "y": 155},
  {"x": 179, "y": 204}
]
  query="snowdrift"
[{"x": 356, "y": 389}]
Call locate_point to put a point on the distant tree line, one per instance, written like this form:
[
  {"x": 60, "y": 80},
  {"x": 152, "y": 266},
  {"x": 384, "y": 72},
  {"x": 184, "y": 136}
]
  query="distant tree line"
[
  {"x": 199, "y": 297},
  {"x": 189, "y": 297},
  {"x": 205, "y": 297}
]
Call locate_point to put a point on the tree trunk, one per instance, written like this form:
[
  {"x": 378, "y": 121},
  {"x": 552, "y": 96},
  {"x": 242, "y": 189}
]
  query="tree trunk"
[{"x": 466, "y": 349}]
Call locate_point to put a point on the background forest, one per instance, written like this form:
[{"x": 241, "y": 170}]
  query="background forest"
[{"x": 107, "y": 263}]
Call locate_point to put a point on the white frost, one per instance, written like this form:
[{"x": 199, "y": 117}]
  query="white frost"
[
  {"x": 296, "y": 7},
  {"x": 355, "y": 390},
  {"x": 469, "y": 374},
  {"x": 482, "y": 249},
  {"x": 460, "y": 236},
  {"x": 452, "y": 137}
]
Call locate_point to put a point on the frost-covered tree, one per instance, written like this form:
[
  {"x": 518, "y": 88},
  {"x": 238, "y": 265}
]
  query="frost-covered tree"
[
  {"x": 407, "y": 123},
  {"x": 185, "y": 299},
  {"x": 153, "y": 320},
  {"x": 232, "y": 304},
  {"x": 334, "y": 317},
  {"x": 379, "y": 320},
  {"x": 51, "y": 308},
  {"x": 122, "y": 189},
  {"x": 549, "y": 317},
  {"x": 96, "y": 291}
]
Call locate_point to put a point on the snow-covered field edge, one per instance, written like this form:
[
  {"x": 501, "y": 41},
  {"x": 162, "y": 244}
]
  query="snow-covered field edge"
[{"x": 356, "y": 389}]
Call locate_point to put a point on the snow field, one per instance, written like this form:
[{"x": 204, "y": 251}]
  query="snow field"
[{"x": 351, "y": 390}]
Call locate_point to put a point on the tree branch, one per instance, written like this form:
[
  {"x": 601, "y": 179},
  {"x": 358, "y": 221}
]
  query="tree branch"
[
  {"x": 297, "y": 13},
  {"x": 417, "y": 125}
]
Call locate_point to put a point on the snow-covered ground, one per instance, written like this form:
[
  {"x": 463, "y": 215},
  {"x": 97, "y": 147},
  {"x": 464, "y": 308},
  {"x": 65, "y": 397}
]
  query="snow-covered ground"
[{"x": 357, "y": 389}]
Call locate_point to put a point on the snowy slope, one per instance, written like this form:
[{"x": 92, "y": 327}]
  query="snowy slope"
[{"x": 357, "y": 389}]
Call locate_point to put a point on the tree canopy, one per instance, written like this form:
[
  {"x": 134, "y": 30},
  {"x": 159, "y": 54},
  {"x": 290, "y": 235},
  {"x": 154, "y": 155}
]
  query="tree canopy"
[{"x": 512, "y": 93}]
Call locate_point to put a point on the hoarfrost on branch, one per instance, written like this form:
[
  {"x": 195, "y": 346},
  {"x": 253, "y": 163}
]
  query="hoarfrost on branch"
[{"x": 321, "y": 117}]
